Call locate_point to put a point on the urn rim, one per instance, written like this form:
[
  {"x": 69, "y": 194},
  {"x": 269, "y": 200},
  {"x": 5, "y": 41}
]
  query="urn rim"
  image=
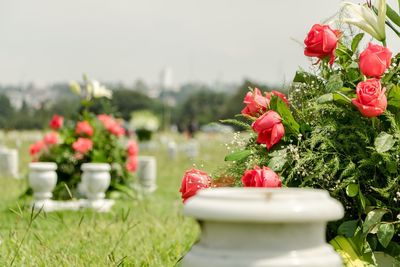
[{"x": 264, "y": 205}]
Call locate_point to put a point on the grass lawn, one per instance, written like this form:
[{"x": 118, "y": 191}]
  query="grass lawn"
[{"x": 148, "y": 231}]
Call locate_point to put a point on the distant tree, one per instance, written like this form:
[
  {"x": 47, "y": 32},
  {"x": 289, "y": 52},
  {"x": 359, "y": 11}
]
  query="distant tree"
[
  {"x": 201, "y": 107},
  {"x": 126, "y": 101},
  {"x": 6, "y": 111}
]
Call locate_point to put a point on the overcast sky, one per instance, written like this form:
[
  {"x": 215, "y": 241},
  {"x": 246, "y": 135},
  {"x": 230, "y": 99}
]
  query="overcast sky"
[{"x": 123, "y": 40}]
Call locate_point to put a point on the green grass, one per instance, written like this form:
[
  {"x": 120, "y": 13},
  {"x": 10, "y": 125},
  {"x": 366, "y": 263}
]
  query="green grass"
[{"x": 149, "y": 231}]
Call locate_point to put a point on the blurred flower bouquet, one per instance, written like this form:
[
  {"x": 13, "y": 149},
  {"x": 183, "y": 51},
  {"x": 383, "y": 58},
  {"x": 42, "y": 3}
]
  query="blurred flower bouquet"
[
  {"x": 91, "y": 139},
  {"x": 339, "y": 131},
  {"x": 145, "y": 123}
]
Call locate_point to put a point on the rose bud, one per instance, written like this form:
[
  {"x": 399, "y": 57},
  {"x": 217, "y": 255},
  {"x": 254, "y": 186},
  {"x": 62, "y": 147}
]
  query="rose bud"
[
  {"x": 281, "y": 96},
  {"x": 56, "y": 122},
  {"x": 264, "y": 177},
  {"x": 371, "y": 100},
  {"x": 269, "y": 128},
  {"x": 192, "y": 181},
  {"x": 321, "y": 42},
  {"x": 375, "y": 60},
  {"x": 255, "y": 102}
]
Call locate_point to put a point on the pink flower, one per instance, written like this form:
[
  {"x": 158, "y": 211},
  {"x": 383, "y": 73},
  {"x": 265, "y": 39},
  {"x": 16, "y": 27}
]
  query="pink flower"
[
  {"x": 255, "y": 102},
  {"x": 193, "y": 181},
  {"x": 36, "y": 148},
  {"x": 264, "y": 177},
  {"x": 269, "y": 128},
  {"x": 131, "y": 164},
  {"x": 371, "y": 100},
  {"x": 82, "y": 145},
  {"x": 281, "y": 96},
  {"x": 104, "y": 118},
  {"x": 84, "y": 128},
  {"x": 133, "y": 148},
  {"x": 56, "y": 122},
  {"x": 321, "y": 42},
  {"x": 51, "y": 138},
  {"x": 111, "y": 125},
  {"x": 374, "y": 60}
]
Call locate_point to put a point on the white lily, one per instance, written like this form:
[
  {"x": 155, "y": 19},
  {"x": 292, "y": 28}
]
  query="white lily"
[
  {"x": 365, "y": 18},
  {"x": 97, "y": 90}
]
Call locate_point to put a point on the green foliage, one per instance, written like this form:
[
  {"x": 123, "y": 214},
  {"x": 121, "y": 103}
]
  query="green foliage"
[{"x": 356, "y": 159}]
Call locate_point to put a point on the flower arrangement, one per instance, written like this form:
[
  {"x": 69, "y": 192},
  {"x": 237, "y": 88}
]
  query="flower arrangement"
[
  {"x": 145, "y": 123},
  {"x": 339, "y": 130},
  {"x": 92, "y": 139}
]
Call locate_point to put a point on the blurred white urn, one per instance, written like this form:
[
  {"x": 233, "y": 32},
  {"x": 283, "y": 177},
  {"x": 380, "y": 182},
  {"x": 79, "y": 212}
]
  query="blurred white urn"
[
  {"x": 147, "y": 173},
  {"x": 262, "y": 227},
  {"x": 96, "y": 179},
  {"x": 42, "y": 179}
]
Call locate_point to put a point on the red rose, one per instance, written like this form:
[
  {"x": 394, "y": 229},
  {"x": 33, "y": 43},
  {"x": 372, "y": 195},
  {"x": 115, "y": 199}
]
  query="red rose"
[
  {"x": 82, "y": 145},
  {"x": 255, "y": 102},
  {"x": 281, "y": 96},
  {"x": 321, "y": 42},
  {"x": 84, "y": 128},
  {"x": 51, "y": 138},
  {"x": 264, "y": 177},
  {"x": 56, "y": 122},
  {"x": 269, "y": 128},
  {"x": 36, "y": 148},
  {"x": 371, "y": 100},
  {"x": 133, "y": 148},
  {"x": 131, "y": 164},
  {"x": 374, "y": 60},
  {"x": 192, "y": 181}
]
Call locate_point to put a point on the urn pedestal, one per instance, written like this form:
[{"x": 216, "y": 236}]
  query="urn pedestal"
[
  {"x": 259, "y": 227},
  {"x": 42, "y": 180},
  {"x": 96, "y": 179}
]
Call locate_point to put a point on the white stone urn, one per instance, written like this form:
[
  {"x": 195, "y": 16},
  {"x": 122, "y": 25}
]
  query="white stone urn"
[
  {"x": 147, "y": 173},
  {"x": 260, "y": 227},
  {"x": 42, "y": 179},
  {"x": 96, "y": 179}
]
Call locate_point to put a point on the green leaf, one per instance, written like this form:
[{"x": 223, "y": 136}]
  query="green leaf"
[
  {"x": 334, "y": 83},
  {"x": 278, "y": 160},
  {"x": 362, "y": 200},
  {"x": 236, "y": 123},
  {"x": 239, "y": 155},
  {"x": 348, "y": 228},
  {"x": 394, "y": 97},
  {"x": 304, "y": 77},
  {"x": 383, "y": 259},
  {"x": 352, "y": 190},
  {"x": 385, "y": 233},
  {"x": 356, "y": 41},
  {"x": 384, "y": 142},
  {"x": 373, "y": 217},
  {"x": 341, "y": 98},
  {"x": 325, "y": 98},
  {"x": 277, "y": 104},
  {"x": 392, "y": 15}
]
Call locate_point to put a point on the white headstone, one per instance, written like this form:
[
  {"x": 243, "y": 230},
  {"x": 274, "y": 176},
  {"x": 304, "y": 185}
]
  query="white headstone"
[
  {"x": 147, "y": 173},
  {"x": 172, "y": 149},
  {"x": 192, "y": 149},
  {"x": 9, "y": 162}
]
